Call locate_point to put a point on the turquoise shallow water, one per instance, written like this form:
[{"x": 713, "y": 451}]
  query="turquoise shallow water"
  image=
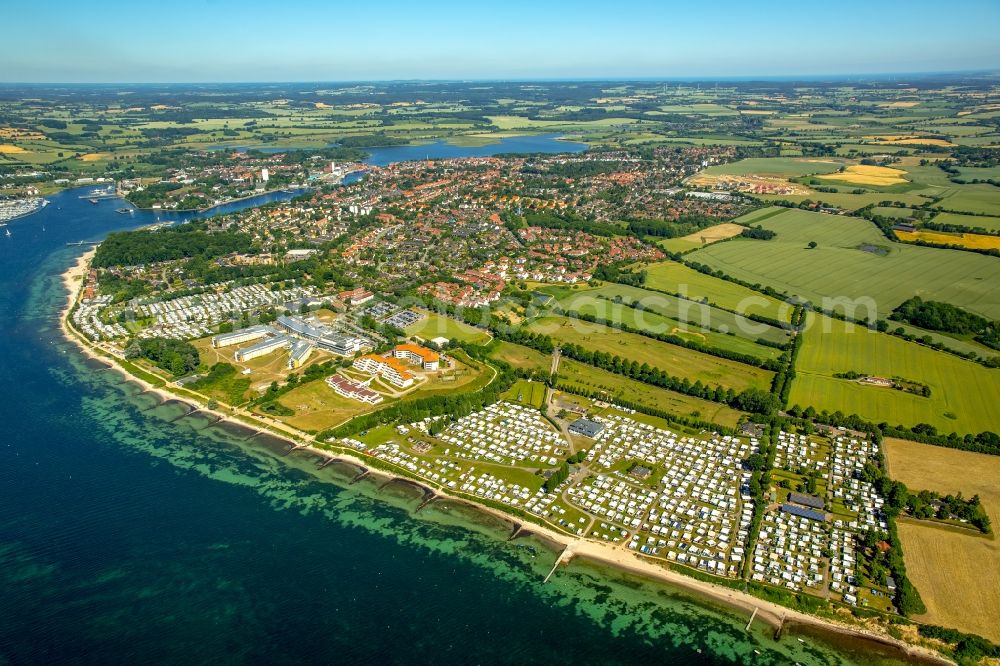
[{"x": 129, "y": 533}]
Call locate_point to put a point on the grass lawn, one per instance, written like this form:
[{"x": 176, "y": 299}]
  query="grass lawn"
[
  {"x": 963, "y": 396},
  {"x": 675, "y": 278},
  {"x": 854, "y": 261},
  {"x": 318, "y": 407},
  {"x": 588, "y": 378},
  {"x": 439, "y": 326},
  {"x": 677, "y": 361}
]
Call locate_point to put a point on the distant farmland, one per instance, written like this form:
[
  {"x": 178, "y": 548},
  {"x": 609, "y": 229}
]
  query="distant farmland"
[
  {"x": 677, "y": 361},
  {"x": 963, "y": 399},
  {"x": 853, "y": 260}
]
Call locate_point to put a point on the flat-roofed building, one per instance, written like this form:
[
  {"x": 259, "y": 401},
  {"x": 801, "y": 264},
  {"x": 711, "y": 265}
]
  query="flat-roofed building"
[
  {"x": 300, "y": 353},
  {"x": 586, "y": 427},
  {"x": 387, "y": 368},
  {"x": 426, "y": 358},
  {"x": 262, "y": 348},
  {"x": 241, "y": 336}
]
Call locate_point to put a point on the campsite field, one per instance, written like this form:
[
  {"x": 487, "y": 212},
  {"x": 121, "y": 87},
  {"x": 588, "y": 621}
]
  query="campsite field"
[
  {"x": 853, "y": 261},
  {"x": 829, "y": 347},
  {"x": 581, "y": 377},
  {"x": 948, "y": 566},
  {"x": 678, "y": 361},
  {"x": 675, "y": 278}
]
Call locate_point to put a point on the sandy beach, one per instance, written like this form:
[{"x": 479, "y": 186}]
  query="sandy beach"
[{"x": 615, "y": 555}]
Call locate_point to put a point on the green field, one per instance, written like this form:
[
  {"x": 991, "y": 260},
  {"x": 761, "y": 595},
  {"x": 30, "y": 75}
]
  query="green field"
[
  {"x": 963, "y": 399},
  {"x": 520, "y": 356},
  {"x": 971, "y": 221},
  {"x": 526, "y": 392},
  {"x": 677, "y": 361},
  {"x": 847, "y": 264},
  {"x": 774, "y": 166},
  {"x": 617, "y": 388},
  {"x": 663, "y": 314},
  {"x": 439, "y": 326},
  {"x": 675, "y": 278}
]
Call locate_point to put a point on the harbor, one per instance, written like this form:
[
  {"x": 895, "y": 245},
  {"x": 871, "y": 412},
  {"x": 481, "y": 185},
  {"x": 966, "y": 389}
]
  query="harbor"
[{"x": 12, "y": 209}]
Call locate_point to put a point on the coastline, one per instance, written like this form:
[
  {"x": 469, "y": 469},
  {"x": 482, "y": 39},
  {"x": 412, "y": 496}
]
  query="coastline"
[{"x": 616, "y": 556}]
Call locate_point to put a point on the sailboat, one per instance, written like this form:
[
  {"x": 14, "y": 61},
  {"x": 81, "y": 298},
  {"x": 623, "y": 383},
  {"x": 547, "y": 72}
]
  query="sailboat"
[{"x": 7, "y": 233}]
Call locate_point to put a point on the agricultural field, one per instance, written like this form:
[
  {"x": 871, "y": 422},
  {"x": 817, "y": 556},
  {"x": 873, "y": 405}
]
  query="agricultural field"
[
  {"x": 622, "y": 389},
  {"x": 948, "y": 566},
  {"x": 832, "y": 346},
  {"x": 786, "y": 167},
  {"x": 662, "y": 314},
  {"x": 970, "y": 221},
  {"x": 675, "y": 278},
  {"x": 862, "y": 174},
  {"x": 971, "y": 241},
  {"x": 677, "y": 361},
  {"x": 440, "y": 326},
  {"x": 854, "y": 261},
  {"x": 701, "y": 238}
]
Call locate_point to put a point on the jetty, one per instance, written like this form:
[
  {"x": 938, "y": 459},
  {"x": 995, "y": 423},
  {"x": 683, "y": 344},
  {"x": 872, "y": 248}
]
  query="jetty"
[
  {"x": 565, "y": 556},
  {"x": 752, "y": 616}
]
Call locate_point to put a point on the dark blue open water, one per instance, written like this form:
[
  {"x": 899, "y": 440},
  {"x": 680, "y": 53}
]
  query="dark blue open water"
[{"x": 132, "y": 534}]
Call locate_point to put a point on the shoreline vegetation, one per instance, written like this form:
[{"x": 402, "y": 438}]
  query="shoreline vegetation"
[{"x": 774, "y": 615}]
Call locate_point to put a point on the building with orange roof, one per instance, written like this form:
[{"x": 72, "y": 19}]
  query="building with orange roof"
[
  {"x": 388, "y": 368},
  {"x": 428, "y": 359}
]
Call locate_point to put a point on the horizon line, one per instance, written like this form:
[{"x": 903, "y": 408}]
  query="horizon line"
[{"x": 749, "y": 78}]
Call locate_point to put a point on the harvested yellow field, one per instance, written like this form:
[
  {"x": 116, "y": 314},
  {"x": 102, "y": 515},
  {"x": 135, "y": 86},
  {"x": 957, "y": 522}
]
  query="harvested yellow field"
[
  {"x": 10, "y": 149},
  {"x": 949, "y": 567},
  {"x": 322, "y": 105},
  {"x": 899, "y": 105},
  {"x": 863, "y": 174},
  {"x": 714, "y": 234},
  {"x": 93, "y": 157},
  {"x": 971, "y": 241}
]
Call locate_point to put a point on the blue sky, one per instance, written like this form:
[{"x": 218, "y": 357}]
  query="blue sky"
[{"x": 310, "y": 40}]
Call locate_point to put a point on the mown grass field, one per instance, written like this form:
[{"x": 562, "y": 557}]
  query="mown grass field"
[
  {"x": 526, "y": 392},
  {"x": 677, "y": 361},
  {"x": 855, "y": 261},
  {"x": 520, "y": 356},
  {"x": 963, "y": 399},
  {"x": 617, "y": 388},
  {"x": 675, "y": 278},
  {"x": 948, "y": 567},
  {"x": 439, "y": 326},
  {"x": 662, "y": 314}
]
